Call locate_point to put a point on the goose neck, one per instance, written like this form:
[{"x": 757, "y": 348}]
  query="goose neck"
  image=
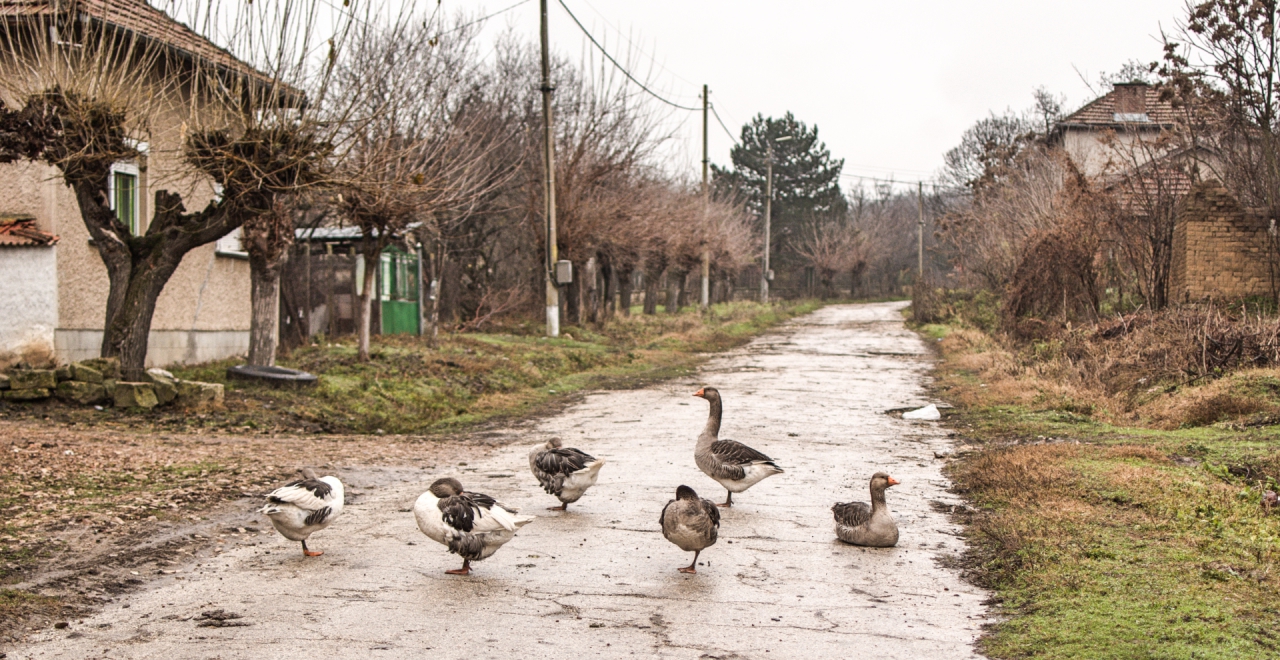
[{"x": 712, "y": 430}]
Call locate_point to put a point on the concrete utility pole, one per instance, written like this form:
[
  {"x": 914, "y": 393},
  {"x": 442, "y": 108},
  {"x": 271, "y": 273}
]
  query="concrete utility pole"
[
  {"x": 549, "y": 186},
  {"x": 706, "y": 201},
  {"x": 920, "y": 230},
  {"x": 768, "y": 216}
]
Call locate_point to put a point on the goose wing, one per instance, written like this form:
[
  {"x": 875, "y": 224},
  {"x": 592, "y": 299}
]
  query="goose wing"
[
  {"x": 564, "y": 461},
  {"x": 852, "y": 514},
  {"x": 712, "y": 511},
  {"x": 308, "y": 494},
  {"x": 731, "y": 451},
  {"x": 476, "y": 513}
]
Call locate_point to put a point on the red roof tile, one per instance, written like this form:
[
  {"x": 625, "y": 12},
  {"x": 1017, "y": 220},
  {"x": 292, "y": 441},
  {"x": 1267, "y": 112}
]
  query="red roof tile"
[
  {"x": 141, "y": 18},
  {"x": 1127, "y": 104},
  {"x": 20, "y": 231}
]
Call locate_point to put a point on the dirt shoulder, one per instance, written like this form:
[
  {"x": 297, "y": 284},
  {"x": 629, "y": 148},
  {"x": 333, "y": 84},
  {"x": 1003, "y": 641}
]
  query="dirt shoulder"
[{"x": 1107, "y": 540}]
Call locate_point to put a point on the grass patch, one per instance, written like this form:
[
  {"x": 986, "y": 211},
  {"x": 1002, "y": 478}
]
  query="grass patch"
[
  {"x": 1108, "y": 534},
  {"x": 409, "y": 388}
]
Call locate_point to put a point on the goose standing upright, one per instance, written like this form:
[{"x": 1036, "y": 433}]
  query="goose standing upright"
[
  {"x": 690, "y": 522},
  {"x": 860, "y": 524},
  {"x": 566, "y": 473},
  {"x": 472, "y": 525},
  {"x": 301, "y": 508},
  {"x": 736, "y": 466}
]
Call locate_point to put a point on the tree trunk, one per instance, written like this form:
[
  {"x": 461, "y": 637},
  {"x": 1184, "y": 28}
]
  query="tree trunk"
[
  {"x": 264, "y": 307},
  {"x": 674, "y": 282},
  {"x": 131, "y": 327},
  {"x": 591, "y": 297},
  {"x": 624, "y": 291},
  {"x": 437, "y": 275},
  {"x": 608, "y": 288},
  {"x": 651, "y": 281},
  {"x": 366, "y": 303}
]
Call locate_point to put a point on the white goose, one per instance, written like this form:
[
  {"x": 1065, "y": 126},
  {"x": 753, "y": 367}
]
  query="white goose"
[
  {"x": 472, "y": 525},
  {"x": 301, "y": 508},
  {"x": 566, "y": 473}
]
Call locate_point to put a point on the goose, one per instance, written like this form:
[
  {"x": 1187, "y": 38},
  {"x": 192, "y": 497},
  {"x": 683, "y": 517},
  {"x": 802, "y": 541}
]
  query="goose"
[
  {"x": 690, "y": 522},
  {"x": 301, "y": 508},
  {"x": 736, "y": 466},
  {"x": 471, "y": 525},
  {"x": 860, "y": 524},
  {"x": 566, "y": 473}
]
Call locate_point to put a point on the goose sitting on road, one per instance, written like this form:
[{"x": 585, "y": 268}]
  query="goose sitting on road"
[
  {"x": 301, "y": 508},
  {"x": 736, "y": 466},
  {"x": 690, "y": 522},
  {"x": 566, "y": 473},
  {"x": 472, "y": 525},
  {"x": 860, "y": 524}
]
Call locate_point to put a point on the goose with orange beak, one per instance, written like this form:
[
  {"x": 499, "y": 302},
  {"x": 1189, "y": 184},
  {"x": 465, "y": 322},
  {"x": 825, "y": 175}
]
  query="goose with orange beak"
[
  {"x": 734, "y": 465},
  {"x": 859, "y": 524}
]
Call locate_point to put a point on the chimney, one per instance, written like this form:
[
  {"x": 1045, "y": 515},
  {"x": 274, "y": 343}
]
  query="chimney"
[{"x": 1131, "y": 98}]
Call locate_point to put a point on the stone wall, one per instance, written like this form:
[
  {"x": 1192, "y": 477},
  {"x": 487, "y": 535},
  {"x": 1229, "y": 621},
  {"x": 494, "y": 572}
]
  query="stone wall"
[{"x": 1219, "y": 249}]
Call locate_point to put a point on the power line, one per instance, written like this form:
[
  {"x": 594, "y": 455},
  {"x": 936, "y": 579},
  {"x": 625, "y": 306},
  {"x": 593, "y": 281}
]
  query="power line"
[
  {"x": 485, "y": 18},
  {"x": 893, "y": 181},
  {"x": 721, "y": 122},
  {"x": 652, "y": 58},
  {"x": 620, "y": 67}
]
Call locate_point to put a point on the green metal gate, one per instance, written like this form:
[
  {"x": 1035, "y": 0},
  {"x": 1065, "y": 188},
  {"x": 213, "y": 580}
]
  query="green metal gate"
[{"x": 399, "y": 292}]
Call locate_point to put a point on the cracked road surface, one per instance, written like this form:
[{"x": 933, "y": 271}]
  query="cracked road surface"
[{"x": 600, "y": 580}]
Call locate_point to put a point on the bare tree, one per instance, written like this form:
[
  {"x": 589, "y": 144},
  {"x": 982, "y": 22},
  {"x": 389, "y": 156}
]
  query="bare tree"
[{"x": 830, "y": 248}]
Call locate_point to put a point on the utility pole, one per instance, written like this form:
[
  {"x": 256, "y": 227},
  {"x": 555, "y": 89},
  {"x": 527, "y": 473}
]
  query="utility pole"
[
  {"x": 768, "y": 209},
  {"x": 920, "y": 232},
  {"x": 706, "y": 202},
  {"x": 768, "y": 215},
  {"x": 549, "y": 186}
]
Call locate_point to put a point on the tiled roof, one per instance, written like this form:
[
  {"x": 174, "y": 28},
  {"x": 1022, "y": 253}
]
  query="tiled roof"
[
  {"x": 1126, "y": 104},
  {"x": 1162, "y": 180},
  {"x": 20, "y": 231},
  {"x": 140, "y": 18}
]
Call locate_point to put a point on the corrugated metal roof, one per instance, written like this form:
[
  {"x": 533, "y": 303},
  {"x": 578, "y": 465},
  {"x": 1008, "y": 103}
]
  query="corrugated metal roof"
[{"x": 20, "y": 231}]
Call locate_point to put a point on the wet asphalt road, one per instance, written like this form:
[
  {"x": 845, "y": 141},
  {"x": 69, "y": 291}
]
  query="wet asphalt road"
[{"x": 600, "y": 581}]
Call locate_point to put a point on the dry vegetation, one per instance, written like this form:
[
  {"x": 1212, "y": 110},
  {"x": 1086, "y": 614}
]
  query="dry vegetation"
[{"x": 1117, "y": 473}]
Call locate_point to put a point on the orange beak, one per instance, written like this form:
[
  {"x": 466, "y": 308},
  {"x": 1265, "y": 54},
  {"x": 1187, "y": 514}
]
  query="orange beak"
[
  {"x": 700, "y": 392},
  {"x": 893, "y": 482}
]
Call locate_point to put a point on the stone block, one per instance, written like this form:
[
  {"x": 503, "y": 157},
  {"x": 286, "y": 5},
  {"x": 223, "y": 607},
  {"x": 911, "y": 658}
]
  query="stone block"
[
  {"x": 33, "y": 379},
  {"x": 4, "y": 382},
  {"x": 29, "y": 394},
  {"x": 62, "y": 373},
  {"x": 85, "y": 373},
  {"x": 109, "y": 385},
  {"x": 195, "y": 394},
  {"x": 108, "y": 367},
  {"x": 80, "y": 392},
  {"x": 166, "y": 385},
  {"x": 135, "y": 395}
]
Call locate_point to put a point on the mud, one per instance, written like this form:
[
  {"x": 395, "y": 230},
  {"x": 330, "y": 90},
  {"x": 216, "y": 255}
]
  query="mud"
[{"x": 600, "y": 580}]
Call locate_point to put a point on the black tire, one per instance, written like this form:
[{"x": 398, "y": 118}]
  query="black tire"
[{"x": 275, "y": 376}]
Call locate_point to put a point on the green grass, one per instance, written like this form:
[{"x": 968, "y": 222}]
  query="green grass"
[
  {"x": 409, "y": 388},
  {"x": 1109, "y": 541}
]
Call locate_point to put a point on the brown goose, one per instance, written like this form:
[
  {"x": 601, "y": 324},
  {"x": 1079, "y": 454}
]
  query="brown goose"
[
  {"x": 690, "y": 522},
  {"x": 860, "y": 524},
  {"x": 736, "y": 466},
  {"x": 564, "y": 472}
]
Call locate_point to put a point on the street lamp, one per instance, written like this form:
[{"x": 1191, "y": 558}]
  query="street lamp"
[{"x": 768, "y": 210}]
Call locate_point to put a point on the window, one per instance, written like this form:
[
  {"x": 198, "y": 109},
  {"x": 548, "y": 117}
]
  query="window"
[
  {"x": 231, "y": 245},
  {"x": 122, "y": 193},
  {"x": 399, "y": 276}
]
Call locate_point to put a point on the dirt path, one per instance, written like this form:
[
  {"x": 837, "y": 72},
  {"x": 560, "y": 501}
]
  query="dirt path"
[{"x": 600, "y": 580}]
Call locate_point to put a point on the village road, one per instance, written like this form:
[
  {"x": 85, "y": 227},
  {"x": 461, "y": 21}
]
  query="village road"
[{"x": 600, "y": 580}]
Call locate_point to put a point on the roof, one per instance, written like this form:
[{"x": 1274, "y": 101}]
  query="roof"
[
  {"x": 1163, "y": 180},
  {"x": 1126, "y": 105},
  {"x": 141, "y": 18},
  {"x": 20, "y": 231}
]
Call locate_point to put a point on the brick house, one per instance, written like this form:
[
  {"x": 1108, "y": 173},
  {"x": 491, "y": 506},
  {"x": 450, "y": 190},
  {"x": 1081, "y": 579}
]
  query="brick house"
[{"x": 55, "y": 288}]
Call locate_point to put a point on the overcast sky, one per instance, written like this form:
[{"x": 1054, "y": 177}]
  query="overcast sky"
[{"x": 891, "y": 85}]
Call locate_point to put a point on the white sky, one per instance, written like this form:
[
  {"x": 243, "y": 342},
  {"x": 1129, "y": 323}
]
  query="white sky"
[{"x": 891, "y": 85}]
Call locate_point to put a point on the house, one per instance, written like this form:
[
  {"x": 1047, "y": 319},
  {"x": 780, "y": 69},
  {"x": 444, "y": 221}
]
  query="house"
[
  {"x": 55, "y": 284},
  {"x": 1118, "y": 131}
]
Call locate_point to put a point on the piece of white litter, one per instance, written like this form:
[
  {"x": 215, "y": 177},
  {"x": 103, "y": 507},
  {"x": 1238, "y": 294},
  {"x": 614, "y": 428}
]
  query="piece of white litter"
[{"x": 928, "y": 413}]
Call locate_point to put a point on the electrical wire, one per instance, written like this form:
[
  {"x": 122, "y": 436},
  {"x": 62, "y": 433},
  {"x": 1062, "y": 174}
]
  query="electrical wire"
[
  {"x": 721, "y": 122},
  {"x": 619, "y": 66}
]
